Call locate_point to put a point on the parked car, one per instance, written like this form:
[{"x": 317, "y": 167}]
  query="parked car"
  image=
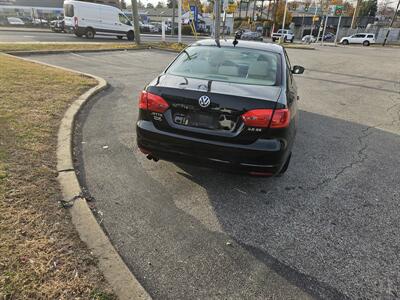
[
  {"x": 327, "y": 37},
  {"x": 360, "y": 38},
  {"x": 252, "y": 35},
  {"x": 89, "y": 19},
  {"x": 146, "y": 27},
  {"x": 57, "y": 26},
  {"x": 15, "y": 21},
  {"x": 308, "y": 39},
  {"x": 239, "y": 32},
  {"x": 231, "y": 105},
  {"x": 40, "y": 22},
  {"x": 288, "y": 35}
]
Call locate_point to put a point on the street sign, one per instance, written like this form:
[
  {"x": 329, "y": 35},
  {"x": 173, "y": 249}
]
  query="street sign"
[
  {"x": 339, "y": 10},
  {"x": 335, "y": 10},
  {"x": 194, "y": 15}
]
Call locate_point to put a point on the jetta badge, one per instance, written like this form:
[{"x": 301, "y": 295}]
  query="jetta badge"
[{"x": 204, "y": 101}]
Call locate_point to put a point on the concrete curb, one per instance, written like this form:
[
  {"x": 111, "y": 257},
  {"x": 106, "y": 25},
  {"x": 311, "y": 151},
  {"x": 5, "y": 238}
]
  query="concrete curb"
[
  {"x": 26, "y": 29},
  {"x": 123, "y": 282}
]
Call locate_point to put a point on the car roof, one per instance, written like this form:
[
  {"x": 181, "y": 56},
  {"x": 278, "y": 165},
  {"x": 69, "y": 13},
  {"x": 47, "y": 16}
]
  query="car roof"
[{"x": 241, "y": 44}]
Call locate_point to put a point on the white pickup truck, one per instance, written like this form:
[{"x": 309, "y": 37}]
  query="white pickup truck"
[{"x": 288, "y": 35}]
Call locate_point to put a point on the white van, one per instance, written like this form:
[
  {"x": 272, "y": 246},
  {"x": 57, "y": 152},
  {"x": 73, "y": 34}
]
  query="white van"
[{"x": 89, "y": 19}]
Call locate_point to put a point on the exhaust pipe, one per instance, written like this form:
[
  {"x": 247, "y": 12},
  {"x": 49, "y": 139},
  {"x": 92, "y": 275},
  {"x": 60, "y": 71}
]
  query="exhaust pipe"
[{"x": 151, "y": 157}]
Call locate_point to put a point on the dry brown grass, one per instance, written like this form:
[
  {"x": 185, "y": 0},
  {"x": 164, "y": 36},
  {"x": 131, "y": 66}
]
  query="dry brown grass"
[
  {"x": 41, "y": 256},
  {"x": 10, "y": 47},
  {"x": 7, "y": 47}
]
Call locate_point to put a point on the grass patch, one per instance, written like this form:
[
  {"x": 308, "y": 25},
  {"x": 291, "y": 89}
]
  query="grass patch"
[
  {"x": 8, "y": 47},
  {"x": 41, "y": 255},
  {"x": 11, "y": 47}
]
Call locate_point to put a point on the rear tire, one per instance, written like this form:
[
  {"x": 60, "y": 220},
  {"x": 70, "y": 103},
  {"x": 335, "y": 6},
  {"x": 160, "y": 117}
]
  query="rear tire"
[
  {"x": 120, "y": 37},
  {"x": 130, "y": 35},
  {"x": 345, "y": 42},
  {"x": 285, "y": 166},
  {"x": 292, "y": 40},
  {"x": 90, "y": 33},
  {"x": 366, "y": 43}
]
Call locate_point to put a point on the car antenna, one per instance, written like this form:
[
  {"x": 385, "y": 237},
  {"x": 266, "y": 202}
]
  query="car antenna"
[{"x": 235, "y": 42}]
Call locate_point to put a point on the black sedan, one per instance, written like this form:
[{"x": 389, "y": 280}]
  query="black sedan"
[
  {"x": 231, "y": 104},
  {"x": 251, "y": 35}
]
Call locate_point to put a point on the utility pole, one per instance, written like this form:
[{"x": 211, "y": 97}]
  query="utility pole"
[
  {"x": 314, "y": 17},
  {"x": 275, "y": 9},
  {"x": 355, "y": 13},
  {"x": 269, "y": 7},
  {"x": 173, "y": 17},
  {"x": 254, "y": 10},
  {"x": 262, "y": 8},
  {"x": 179, "y": 21},
  {"x": 135, "y": 17},
  {"x": 323, "y": 33},
  {"x": 337, "y": 29},
  {"x": 391, "y": 23},
  {"x": 217, "y": 13},
  {"x": 319, "y": 28},
  {"x": 282, "y": 38}
]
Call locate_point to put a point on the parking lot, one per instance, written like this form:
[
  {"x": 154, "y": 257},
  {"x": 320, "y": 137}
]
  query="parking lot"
[{"x": 328, "y": 228}]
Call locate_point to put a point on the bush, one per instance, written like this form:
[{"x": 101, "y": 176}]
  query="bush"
[{"x": 187, "y": 30}]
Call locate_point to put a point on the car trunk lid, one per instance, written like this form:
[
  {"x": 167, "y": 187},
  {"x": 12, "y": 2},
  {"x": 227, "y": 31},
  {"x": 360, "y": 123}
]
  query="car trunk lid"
[{"x": 210, "y": 108}]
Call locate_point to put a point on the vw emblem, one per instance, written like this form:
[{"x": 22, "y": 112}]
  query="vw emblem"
[{"x": 204, "y": 101}]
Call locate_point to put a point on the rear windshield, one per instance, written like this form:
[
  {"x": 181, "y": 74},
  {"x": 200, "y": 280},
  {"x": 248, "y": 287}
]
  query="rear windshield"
[
  {"x": 236, "y": 65},
  {"x": 68, "y": 10}
]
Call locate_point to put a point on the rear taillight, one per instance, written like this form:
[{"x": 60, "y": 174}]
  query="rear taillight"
[
  {"x": 152, "y": 102},
  {"x": 281, "y": 118},
  {"x": 264, "y": 118}
]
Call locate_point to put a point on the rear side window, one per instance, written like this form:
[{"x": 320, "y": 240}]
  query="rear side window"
[
  {"x": 68, "y": 10},
  {"x": 228, "y": 64},
  {"x": 370, "y": 36},
  {"x": 123, "y": 19}
]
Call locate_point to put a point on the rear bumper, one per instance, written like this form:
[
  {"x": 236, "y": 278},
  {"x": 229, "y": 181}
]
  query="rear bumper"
[{"x": 264, "y": 155}]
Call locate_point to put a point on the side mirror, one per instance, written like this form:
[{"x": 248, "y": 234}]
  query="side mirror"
[{"x": 298, "y": 70}]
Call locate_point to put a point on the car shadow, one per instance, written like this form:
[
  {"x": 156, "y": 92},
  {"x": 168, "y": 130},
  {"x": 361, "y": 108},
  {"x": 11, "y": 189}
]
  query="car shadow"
[{"x": 324, "y": 225}]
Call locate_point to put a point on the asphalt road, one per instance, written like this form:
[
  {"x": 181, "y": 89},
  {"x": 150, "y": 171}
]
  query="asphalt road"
[
  {"x": 327, "y": 229},
  {"x": 49, "y": 36}
]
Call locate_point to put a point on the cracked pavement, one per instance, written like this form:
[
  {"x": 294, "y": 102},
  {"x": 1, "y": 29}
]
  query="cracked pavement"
[{"x": 327, "y": 229}]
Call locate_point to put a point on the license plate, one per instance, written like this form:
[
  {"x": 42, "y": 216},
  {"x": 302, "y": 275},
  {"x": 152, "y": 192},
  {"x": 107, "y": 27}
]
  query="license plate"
[{"x": 197, "y": 120}]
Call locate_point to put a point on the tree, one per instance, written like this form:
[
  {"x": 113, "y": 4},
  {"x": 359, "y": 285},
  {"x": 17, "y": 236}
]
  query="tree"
[
  {"x": 160, "y": 5},
  {"x": 279, "y": 15},
  {"x": 140, "y": 4},
  {"x": 170, "y": 3},
  {"x": 123, "y": 4},
  {"x": 348, "y": 9},
  {"x": 385, "y": 9},
  {"x": 368, "y": 8},
  {"x": 149, "y": 5}
]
